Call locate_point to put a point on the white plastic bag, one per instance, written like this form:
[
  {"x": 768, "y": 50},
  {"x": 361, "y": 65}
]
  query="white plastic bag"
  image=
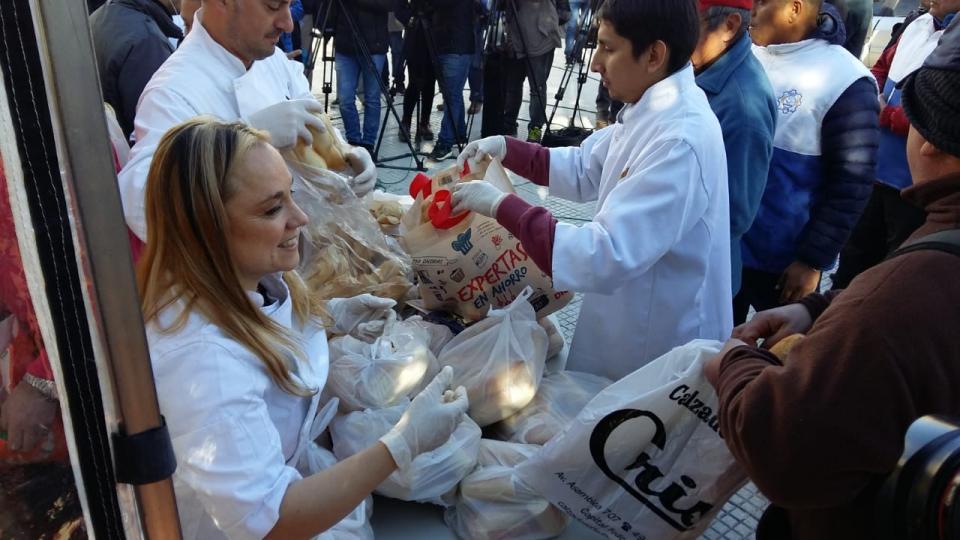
[
  {"x": 432, "y": 476},
  {"x": 558, "y": 401},
  {"x": 499, "y": 360},
  {"x": 356, "y": 526},
  {"x": 494, "y": 504},
  {"x": 344, "y": 251},
  {"x": 379, "y": 374},
  {"x": 644, "y": 459},
  {"x": 440, "y": 335}
]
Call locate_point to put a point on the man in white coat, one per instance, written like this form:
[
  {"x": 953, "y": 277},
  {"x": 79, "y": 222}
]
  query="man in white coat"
[
  {"x": 229, "y": 67},
  {"x": 654, "y": 264}
]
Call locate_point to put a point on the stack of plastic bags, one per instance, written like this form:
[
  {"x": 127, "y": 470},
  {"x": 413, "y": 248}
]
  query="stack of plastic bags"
[
  {"x": 493, "y": 504},
  {"x": 499, "y": 360},
  {"x": 379, "y": 374},
  {"x": 559, "y": 400}
]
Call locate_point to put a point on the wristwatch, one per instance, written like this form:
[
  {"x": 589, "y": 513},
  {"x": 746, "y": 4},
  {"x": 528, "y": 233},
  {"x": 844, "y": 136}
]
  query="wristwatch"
[{"x": 44, "y": 386}]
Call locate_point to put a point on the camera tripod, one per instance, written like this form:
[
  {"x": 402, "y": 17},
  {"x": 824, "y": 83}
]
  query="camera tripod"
[
  {"x": 420, "y": 22},
  {"x": 322, "y": 34},
  {"x": 583, "y": 48},
  {"x": 497, "y": 44}
]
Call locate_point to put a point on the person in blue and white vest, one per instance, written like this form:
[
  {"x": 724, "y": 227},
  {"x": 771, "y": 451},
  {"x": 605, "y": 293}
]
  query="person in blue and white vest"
[
  {"x": 823, "y": 157},
  {"x": 889, "y": 219}
]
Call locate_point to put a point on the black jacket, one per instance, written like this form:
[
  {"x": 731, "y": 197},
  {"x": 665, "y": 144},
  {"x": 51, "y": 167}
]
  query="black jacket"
[
  {"x": 370, "y": 17},
  {"x": 453, "y": 25},
  {"x": 131, "y": 39}
]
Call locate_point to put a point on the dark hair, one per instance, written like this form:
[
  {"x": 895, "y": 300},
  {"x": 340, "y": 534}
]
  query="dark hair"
[
  {"x": 674, "y": 22},
  {"x": 717, "y": 15}
]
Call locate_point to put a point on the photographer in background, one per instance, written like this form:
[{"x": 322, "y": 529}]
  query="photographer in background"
[
  {"x": 371, "y": 19},
  {"x": 453, "y": 23},
  {"x": 531, "y": 32}
]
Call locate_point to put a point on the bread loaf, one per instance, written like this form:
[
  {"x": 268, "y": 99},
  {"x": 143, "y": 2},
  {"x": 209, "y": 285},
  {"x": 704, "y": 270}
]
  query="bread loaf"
[{"x": 326, "y": 152}]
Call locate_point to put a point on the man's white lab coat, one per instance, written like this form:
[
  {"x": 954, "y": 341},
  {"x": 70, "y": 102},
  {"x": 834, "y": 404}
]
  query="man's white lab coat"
[
  {"x": 200, "y": 78},
  {"x": 654, "y": 263}
]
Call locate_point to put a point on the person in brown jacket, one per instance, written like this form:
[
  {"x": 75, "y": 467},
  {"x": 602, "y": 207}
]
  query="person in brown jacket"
[{"x": 818, "y": 433}]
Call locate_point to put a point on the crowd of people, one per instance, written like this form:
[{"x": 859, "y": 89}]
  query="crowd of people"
[{"x": 748, "y": 151}]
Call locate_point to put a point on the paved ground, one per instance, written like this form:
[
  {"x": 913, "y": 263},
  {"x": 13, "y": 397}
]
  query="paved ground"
[{"x": 738, "y": 519}]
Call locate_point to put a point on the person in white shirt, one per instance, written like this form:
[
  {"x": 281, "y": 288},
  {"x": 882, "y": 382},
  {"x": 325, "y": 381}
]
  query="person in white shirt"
[
  {"x": 654, "y": 264},
  {"x": 229, "y": 66},
  {"x": 240, "y": 356}
]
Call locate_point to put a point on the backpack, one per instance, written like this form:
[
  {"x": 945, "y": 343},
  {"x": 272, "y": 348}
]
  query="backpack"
[{"x": 947, "y": 241}]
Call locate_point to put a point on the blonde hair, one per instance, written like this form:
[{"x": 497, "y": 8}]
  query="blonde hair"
[{"x": 187, "y": 257}]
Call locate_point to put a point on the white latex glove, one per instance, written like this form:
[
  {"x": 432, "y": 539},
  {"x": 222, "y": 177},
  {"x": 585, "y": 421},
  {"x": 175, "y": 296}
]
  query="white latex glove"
[
  {"x": 366, "y": 172},
  {"x": 494, "y": 147},
  {"x": 354, "y": 315},
  {"x": 288, "y": 120},
  {"x": 478, "y": 196},
  {"x": 429, "y": 421}
]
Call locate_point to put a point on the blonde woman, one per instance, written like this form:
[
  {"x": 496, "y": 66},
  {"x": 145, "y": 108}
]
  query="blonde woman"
[{"x": 238, "y": 355}]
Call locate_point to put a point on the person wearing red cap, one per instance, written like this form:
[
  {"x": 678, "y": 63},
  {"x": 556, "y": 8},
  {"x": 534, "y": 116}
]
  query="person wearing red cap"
[{"x": 741, "y": 96}]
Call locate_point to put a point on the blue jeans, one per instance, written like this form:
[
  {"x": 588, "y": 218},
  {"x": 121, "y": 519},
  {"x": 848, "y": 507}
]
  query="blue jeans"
[
  {"x": 577, "y": 7},
  {"x": 455, "y": 69},
  {"x": 349, "y": 70}
]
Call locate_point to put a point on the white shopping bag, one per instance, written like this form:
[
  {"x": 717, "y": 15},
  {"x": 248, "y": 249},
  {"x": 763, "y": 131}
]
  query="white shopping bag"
[{"x": 645, "y": 458}]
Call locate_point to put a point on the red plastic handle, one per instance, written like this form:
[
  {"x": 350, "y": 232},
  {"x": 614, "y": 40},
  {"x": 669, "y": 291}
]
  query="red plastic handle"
[
  {"x": 421, "y": 184},
  {"x": 441, "y": 214}
]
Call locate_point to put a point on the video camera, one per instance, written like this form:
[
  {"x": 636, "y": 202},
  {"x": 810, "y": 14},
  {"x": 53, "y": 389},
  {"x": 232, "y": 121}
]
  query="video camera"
[{"x": 920, "y": 499}]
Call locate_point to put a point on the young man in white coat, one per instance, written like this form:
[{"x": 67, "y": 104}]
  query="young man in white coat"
[
  {"x": 654, "y": 264},
  {"x": 229, "y": 67}
]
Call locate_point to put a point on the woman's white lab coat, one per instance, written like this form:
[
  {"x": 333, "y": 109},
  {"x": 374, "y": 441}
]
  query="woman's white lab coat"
[
  {"x": 654, "y": 263},
  {"x": 238, "y": 437},
  {"x": 200, "y": 77}
]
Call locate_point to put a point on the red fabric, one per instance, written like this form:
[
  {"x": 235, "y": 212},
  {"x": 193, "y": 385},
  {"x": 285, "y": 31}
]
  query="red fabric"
[
  {"x": 742, "y": 4},
  {"x": 136, "y": 246},
  {"x": 895, "y": 119},
  {"x": 534, "y": 226},
  {"x": 26, "y": 350},
  {"x": 529, "y": 160},
  {"x": 881, "y": 70}
]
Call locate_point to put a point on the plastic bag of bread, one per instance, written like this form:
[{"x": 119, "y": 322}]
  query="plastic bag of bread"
[
  {"x": 494, "y": 504},
  {"x": 555, "y": 341},
  {"x": 499, "y": 360},
  {"x": 345, "y": 253},
  {"x": 356, "y": 526},
  {"x": 433, "y": 476},
  {"x": 558, "y": 401},
  {"x": 379, "y": 374},
  {"x": 439, "y": 334}
]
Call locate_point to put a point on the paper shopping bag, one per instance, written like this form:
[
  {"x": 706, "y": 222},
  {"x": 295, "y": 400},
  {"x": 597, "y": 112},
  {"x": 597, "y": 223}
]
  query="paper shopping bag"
[{"x": 468, "y": 263}]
